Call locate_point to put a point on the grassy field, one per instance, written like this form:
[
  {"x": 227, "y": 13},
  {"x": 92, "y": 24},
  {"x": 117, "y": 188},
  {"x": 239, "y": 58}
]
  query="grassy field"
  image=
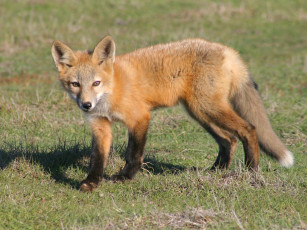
[{"x": 45, "y": 142}]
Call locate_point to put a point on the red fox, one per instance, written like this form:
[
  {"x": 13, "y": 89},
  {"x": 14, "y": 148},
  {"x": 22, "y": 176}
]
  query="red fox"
[{"x": 209, "y": 79}]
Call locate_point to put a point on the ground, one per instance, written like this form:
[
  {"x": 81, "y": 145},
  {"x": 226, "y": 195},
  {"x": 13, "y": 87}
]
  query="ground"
[{"x": 45, "y": 142}]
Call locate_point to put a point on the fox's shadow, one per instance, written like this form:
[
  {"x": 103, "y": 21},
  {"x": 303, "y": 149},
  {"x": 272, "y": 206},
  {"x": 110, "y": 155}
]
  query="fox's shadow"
[
  {"x": 60, "y": 158},
  {"x": 54, "y": 161}
]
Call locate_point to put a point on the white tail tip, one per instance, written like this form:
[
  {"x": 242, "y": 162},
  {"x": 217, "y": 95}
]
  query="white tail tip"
[{"x": 287, "y": 160}]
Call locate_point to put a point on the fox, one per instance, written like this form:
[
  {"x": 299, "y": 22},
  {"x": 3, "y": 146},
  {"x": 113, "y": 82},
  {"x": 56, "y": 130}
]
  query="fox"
[{"x": 209, "y": 79}]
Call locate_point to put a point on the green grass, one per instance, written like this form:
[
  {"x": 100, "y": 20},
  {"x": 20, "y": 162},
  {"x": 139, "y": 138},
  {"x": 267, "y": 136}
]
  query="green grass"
[{"x": 45, "y": 142}]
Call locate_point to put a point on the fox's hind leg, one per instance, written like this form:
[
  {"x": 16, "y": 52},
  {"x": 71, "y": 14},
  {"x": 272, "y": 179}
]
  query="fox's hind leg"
[
  {"x": 227, "y": 119},
  {"x": 221, "y": 114},
  {"x": 227, "y": 145},
  {"x": 227, "y": 142}
]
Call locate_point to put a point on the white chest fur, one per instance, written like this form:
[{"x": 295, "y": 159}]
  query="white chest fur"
[{"x": 102, "y": 109}]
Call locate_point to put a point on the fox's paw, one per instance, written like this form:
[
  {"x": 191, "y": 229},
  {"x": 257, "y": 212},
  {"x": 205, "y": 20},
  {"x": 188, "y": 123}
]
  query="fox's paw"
[
  {"x": 119, "y": 177},
  {"x": 126, "y": 173},
  {"x": 88, "y": 186}
]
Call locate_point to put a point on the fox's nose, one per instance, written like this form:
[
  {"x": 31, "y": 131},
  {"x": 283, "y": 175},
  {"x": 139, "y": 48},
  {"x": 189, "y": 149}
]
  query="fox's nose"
[{"x": 87, "y": 105}]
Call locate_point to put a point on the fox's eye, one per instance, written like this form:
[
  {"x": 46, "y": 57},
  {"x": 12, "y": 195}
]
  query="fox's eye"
[
  {"x": 75, "y": 84},
  {"x": 96, "y": 83}
]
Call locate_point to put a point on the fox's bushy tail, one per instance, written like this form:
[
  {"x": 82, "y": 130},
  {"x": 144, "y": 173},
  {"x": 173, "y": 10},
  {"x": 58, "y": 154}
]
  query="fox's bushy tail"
[{"x": 248, "y": 105}]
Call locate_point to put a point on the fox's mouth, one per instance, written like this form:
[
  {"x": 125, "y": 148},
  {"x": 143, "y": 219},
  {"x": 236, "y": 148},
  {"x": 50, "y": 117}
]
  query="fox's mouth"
[
  {"x": 85, "y": 110},
  {"x": 89, "y": 106}
]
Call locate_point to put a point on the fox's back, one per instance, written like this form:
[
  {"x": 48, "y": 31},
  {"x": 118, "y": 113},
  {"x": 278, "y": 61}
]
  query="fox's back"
[
  {"x": 166, "y": 58},
  {"x": 170, "y": 71}
]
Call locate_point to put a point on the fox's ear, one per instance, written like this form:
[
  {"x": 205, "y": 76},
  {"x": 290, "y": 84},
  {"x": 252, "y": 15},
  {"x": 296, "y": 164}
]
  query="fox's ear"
[
  {"x": 104, "y": 51},
  {"x": 62, "y": 55}
]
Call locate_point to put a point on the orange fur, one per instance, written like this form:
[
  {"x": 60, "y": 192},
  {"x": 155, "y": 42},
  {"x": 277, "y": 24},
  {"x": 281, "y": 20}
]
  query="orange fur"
[{"x": 207, "y": 78}]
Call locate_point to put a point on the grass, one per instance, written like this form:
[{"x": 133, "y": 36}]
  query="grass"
[{"x": 45, "y": 142}]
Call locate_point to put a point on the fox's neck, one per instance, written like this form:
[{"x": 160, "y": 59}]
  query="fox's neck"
[{"x": 122, "y": 79}]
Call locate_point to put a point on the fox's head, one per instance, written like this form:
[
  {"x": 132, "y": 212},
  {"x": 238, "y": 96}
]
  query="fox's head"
[{"x": 88, "y": 77}]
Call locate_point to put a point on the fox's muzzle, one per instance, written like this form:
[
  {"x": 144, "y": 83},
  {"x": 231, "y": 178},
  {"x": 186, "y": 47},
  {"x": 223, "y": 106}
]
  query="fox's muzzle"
[{"x": 85, "y": 106}]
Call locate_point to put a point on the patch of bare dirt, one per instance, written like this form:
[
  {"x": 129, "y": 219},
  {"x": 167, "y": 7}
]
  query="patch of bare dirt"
[{"x": 26, "y": 79}]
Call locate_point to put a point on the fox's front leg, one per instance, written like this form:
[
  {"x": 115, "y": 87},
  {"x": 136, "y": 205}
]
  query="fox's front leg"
[
  {"x": 135, "y": 149},
  {"x": 102, "y": 139}
]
